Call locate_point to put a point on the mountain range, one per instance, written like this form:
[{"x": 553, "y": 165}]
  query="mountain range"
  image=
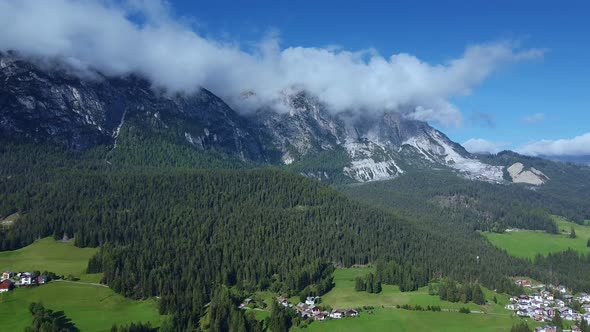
[{"x": 47, "y": 101}]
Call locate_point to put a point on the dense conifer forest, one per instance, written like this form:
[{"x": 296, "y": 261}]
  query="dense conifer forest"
[{"x": 184, "y": 234}]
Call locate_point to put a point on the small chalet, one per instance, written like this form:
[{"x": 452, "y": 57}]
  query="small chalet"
[
  {"x": 546, "y": 328},
  {"x": 25, "y": 279},
  {"x": 351, "y": 313},
  {"x": 319, "y": 316},
  {"x": 41, "y": 280},
  {"x": 7, "y": 275},
  {"x": 6, "y": 285},
  {"x": 316, "y": 310},
  {"x": 336, "y": 314}
]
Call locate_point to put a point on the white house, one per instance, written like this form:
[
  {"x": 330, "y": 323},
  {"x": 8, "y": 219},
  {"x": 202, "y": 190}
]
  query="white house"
[
  {"x": 7, "y": 275},
  {"x": 336, "y": 314},
  {"x": 25, "y": 279}
]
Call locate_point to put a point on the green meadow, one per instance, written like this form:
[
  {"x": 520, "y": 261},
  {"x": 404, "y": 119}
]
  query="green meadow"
[
  {"x": 387, "y": 319},
  {"x": 47, "y": 254},
  {"x": 343, "y": 295},
  {"x": 527, "y": 244},
  {"x": 91, "y": 307}
]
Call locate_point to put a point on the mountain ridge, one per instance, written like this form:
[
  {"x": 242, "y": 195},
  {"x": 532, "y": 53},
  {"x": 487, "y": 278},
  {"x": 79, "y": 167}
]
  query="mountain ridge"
[{"x": 52, "y": 104}]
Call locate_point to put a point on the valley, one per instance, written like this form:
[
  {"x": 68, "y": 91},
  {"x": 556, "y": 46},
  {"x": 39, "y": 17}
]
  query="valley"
[{"x": 175, "y": 209}]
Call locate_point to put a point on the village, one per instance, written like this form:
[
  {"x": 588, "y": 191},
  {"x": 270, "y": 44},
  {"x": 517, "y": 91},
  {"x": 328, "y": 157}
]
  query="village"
[
  {"x": 545, "y": 302},
  {"x": 9, "y": 280},
  {"x": 309, "y": 309}
]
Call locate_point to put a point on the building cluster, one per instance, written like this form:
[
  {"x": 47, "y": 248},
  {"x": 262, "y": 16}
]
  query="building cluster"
[
  {"x": 546, "y": 302},
  {"x": 309, "y": 309},
  {"x": 9, "y": 280}
]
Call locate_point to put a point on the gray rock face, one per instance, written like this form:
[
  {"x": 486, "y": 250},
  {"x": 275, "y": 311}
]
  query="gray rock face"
[
  {"x": 47, "y": 103},
  {"x": 377, "y": 145},
  {"x": 53, "y": 105}
]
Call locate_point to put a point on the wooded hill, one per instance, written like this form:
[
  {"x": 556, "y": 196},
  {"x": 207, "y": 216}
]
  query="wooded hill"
[{"x": 181, "y": 233}]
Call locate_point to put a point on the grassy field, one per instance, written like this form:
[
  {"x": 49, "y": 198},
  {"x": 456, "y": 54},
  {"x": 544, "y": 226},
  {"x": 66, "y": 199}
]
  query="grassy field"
[
  {"x": 528, "y": 244},
  {"x": 50, "y": 255},
  {"x": 404, "y": 320},
  {"x": 91, "y": 308},
  {"x": 387, "y": 318},
  {"x": 344, "y": 296}
]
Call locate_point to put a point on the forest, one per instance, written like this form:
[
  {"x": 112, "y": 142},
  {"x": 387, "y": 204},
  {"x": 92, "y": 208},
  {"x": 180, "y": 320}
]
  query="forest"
[{"x": 184, "y": 234}]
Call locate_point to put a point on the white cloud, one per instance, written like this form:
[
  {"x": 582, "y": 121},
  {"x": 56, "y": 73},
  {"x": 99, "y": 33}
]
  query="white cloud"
[
  {"x": 99, "y": 34},
  {"x": 534, "y": 118},
  {"x": 480, "y": 145},
  {"x": 577, "y": 146}
]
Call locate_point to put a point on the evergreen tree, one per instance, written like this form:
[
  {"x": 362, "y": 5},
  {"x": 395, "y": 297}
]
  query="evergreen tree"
[
  {"x": 46, "y": 320},
  {"x": 359, "y": 284},
  {"x": 478, "y": 296},
  {"x": 521, "y": 327},
  {"x": 557, "y": 320},
  {"x": 572, "y": 233},
  {"x": 584, "y": 327},
  {"x": 280, "y": 320}
]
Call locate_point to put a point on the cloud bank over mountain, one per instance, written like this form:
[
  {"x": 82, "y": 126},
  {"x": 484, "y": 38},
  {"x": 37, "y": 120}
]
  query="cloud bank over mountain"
[
  {"x": 145, "y": 37},
  {"x": 480, "y": 145},
  {"x": 576, "y": 146}
]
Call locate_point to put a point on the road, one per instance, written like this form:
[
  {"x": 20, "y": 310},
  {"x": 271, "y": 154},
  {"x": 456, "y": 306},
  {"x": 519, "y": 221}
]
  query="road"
[{"x": 80, "y": 282}]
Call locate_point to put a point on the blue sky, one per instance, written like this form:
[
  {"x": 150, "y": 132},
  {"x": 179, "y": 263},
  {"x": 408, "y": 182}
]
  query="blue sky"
[
  {"x": 523, "y": 63},
  {"x": 557, "y": 86}
]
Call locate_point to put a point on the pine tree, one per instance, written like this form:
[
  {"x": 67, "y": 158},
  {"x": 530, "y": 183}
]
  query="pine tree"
[
  {"x": 557, "y": 321},
  {"x": 280, "y": 321},
  {"x": 521, "y": 327},
  {"x": 359, "y": 284},
  {"x": 478, "y": 297}
]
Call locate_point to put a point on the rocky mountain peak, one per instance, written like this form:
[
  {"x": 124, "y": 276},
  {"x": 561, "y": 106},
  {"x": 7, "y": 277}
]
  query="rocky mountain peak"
[{"x": 56, "y": 105}]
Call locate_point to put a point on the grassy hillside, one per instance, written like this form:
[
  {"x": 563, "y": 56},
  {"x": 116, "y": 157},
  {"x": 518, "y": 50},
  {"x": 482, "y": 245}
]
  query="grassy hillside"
[
  {"x": 527, "y": 244},
  {"x": 91, "y": 308},
  {"x": 62, "y": 258},
  {"x": 343, "y": 295},
  {"x": 385, "y": 317}
]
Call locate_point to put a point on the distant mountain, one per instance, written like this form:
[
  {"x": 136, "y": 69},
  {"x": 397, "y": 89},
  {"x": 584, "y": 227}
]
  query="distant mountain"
[{"x": 48, "y": 103}]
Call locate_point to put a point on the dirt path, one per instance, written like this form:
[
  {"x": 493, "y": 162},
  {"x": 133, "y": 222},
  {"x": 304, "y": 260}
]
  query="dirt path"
[{"x": 81, "y": 282}]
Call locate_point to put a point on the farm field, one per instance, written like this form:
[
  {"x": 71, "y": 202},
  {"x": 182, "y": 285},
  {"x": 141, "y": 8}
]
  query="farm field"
[
  {"x": 343, "y": 295},
  {"x": 47, "y": 254},
  {"x": 403, "y": 320},
  {"x": 92, "y": 308},
  {"x": 527, "y": 244},
  {"x": 385, "y": 317}
]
